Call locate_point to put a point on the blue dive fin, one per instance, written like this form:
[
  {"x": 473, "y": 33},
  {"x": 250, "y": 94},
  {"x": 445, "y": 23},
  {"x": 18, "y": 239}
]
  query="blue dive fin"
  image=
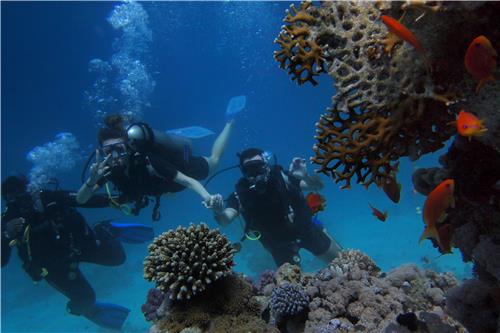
[
  {"x": 132, "y": 232},
  {"x": 192, "y": 132},
  {"x": 235, "y": 105},
  {"x": 109, "y": 315}
]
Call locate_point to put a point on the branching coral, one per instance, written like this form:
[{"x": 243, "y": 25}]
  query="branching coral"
[
  {"x": 302, "y": 57},
  {"x": 385, "y": 105},
  {"x": 183, "y": 262}
]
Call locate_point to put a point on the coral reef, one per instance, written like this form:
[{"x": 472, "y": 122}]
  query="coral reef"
[
  {"x": 300, "y": 55},
  {"x": 475, "y": 222},
  {"x": 227, "y": 306},
  {"x": 185, "y": 261},
  {"x": 288, "y": 300},
  {"x": 474, "y": 306},
  {"x": 265, "y": 283},
  {"x": 352, "y": 262},
  {"x": 154, "y": 300},
  {"x": 361, "y": 299},
  {"x": 388, "y": 104},
  {"x": 350, "y": 295}
]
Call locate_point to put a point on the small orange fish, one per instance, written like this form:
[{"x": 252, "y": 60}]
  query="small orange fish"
[
  {"x": 398, "y": 29},
  {"x": 481, "y": 60},
  {"x": 316, "y": 202},
  {"x": 435, "y": 206},
  {"x": 469, "y": 125},
  {"x": 378, "y": 214}
]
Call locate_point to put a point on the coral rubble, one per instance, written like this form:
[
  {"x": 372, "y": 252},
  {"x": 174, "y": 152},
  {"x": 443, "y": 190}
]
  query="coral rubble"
[{"x": 185, "y": 261}]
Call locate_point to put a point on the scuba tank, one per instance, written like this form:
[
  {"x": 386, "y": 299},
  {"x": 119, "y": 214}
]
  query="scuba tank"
[{"x": 142, "y": 138}]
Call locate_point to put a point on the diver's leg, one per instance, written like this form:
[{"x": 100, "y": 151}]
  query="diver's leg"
[
  {"x": 72, "y": 284},
  {"x": 284, "y": 254},
  {"x": 321, "y": 244},
  {"x": 219, "y": 146},
  {"x": 103, "y": 248}
]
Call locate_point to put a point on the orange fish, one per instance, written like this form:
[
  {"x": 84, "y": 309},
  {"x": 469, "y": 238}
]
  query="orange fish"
[
  {"x": 316, "y": 202},
  {"x": 378, "y": 214},
  {"x": 435, "y": 206},
  {"x": 481, "y": 60},
  {"x": 398, "y": 29},
  {"x": 469, "y": 125}
]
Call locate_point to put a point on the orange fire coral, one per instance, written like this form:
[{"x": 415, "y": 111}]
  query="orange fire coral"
[{"x": 301, "y": 56}]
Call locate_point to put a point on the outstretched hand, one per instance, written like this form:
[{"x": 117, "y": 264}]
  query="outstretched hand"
[
  {"x": 100, "y": 169},
  {"x": 298, "y": 168},
  {"x": 214, "y": 202}
]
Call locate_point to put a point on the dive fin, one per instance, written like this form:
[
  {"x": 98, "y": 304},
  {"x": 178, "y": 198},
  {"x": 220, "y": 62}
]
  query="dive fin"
[
  {"x": 192, "y": 132},
  {"x": 235, "y": 105},
  {"x": 109, "y": 315},
  {"x": 132, "y": 232}
]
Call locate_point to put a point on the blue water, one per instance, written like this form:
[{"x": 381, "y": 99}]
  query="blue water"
[{"x": 200, "y": 55}]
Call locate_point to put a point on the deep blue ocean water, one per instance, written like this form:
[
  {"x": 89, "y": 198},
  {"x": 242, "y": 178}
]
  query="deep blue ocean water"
[{"x": 200, "y": 55}]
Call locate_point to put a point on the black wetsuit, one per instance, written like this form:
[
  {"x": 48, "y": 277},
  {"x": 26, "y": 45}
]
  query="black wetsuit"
[
  {"x": 55, "y": 239},
  {"x": 281, "y": 216},
  {"x": 152, "y": 173}
]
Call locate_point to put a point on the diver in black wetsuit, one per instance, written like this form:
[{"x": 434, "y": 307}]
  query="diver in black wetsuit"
[
  {"x": 142, "y": 163},
  {"x": 275, "y": 210},
  {"x": 52, "y": 238}
]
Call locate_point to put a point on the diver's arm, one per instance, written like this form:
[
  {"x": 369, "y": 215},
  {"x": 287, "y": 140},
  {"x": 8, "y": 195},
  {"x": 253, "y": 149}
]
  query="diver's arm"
[
  {"x": 85, "y": 193},
  {"x": 94, "y": 201},
  {"x": 298, "y": 169},
  {"x": 193, "y": 184},
  {"x": 225, "y": 217}
]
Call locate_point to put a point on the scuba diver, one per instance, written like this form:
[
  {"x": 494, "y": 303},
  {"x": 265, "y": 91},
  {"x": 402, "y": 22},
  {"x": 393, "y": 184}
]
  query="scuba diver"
[
  {"x": 52, "y": 238},
  {"x": 142, "y": 162},
  {"x": 275, "y": 210}
]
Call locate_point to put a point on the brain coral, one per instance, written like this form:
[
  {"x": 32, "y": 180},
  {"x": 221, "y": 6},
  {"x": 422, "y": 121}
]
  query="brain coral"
[{"x": 183, "y": 262}]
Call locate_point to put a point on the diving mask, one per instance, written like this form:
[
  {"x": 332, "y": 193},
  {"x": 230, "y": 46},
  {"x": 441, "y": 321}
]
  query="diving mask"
[
  {"x": 118, "y": 151},
  {"x": 257, "y": 173}
]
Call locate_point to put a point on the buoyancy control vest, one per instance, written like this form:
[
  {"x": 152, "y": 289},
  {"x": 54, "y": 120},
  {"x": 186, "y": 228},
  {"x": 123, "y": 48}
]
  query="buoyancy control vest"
[
  {"x": 149, "y": 147},
  {"x": 278, "y": 214},
  {"x": 50, "y": 235}
]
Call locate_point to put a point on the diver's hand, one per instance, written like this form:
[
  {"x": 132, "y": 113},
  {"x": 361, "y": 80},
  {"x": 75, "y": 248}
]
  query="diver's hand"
[
  {"x": 214, "y": 202},
  {"x": 98, "y": 170},
  {"x": 298, "y": 168},
  {"x": 14, "y": 227}
]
